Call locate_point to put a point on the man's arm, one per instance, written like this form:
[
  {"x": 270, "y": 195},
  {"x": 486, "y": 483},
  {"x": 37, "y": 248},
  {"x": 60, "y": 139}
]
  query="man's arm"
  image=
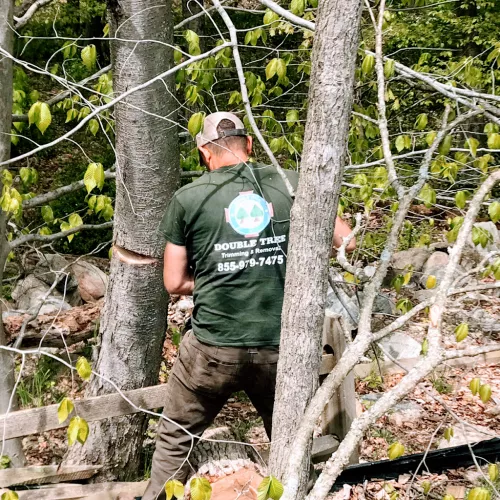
[
  {"x": 342, "y": 230},
  {"x": 176, "y": 275}
]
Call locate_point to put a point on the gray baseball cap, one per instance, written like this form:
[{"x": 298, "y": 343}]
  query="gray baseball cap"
[{"x": 209, "y": 132}]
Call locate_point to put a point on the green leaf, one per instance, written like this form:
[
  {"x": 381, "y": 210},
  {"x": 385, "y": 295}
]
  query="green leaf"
[
  {"x": 10, "y": 495},
  {"x": 472, "y": 145},
  {"x": 93, "y": 126},
  {"x": 83, "y": 368},
  {"x": 174, "y": 488},
  {"x": 195, "y": 123},
  {"x": 269, "y": 488},
  {"x": 389, "y": 68},
  {"x": 479, "y": 494},
  {"x": 270, "y": 16},
  {"x": 493, "y": 472},
  {"x": 78, "y": 430},
  {"x": 200, "y": 489},
  {"x": 421, "y": 121},
  {"x": 461, "y": 332},
  {"x": 494, "y": 141},
  {"x": 428, "y": 195},
  {"x": 292, "y": 117},
  {"x": 494, "y": 211},
  {"x": 368, "y": 64},
  {"x": 47, "y": 214},
  {"x": 395, "y": 450},
  {"x": 403, "y": 142},
  {"x": 297, "y": 7},
  {"x": 445, "y": 146},
  {"x": 425, "y": 347},
  {"x": 71, "y": 115},
  {"x": 485, "y": 393},
  {"x": 430, "y": 138},
  {"x": 475, "y": 385},
  {"x": 89, "y": 56},
  {"x": 481, "y": 236},
  {"x": 449, "y": 433},
  {"x": 34, "y": 96},
  {"x": 69, "y": 49},
  {"x": 404, "y": 305},
  {"x": 64, "y": 409},
  {"x": 461, "y": 199},
  {"x": 34, "y": 113},
  {"x": 94, "y": 177},
  {"x": 45, "y": 231},
  {"x": 25, "y": 174}
]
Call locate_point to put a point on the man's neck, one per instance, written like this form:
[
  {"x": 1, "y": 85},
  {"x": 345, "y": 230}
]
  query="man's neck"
[{"x": 229, "y": 161}]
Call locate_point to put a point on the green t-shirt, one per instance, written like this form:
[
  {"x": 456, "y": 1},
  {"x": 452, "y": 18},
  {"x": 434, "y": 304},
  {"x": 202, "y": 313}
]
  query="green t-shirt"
[{"x": 234, "y": 222}]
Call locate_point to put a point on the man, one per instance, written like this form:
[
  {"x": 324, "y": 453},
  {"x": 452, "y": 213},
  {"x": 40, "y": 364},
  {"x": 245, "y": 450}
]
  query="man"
[{"x": 227, "y": 242}]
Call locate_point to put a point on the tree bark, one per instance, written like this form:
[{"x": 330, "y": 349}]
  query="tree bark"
[
  {"x": 134, "y": 318},
  {"x": 312, "y": 222},
  {"x": 11, "y": 448}
]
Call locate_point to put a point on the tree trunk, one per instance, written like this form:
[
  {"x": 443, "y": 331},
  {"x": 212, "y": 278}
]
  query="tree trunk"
[
  {"x": 312, "y": 221},
  {"x": 11, "y": 448},
  {"x": 134, "y": 317}
]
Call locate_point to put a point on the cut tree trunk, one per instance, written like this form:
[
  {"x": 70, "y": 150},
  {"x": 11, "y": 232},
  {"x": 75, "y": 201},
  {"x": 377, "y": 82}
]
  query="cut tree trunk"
[
  {"x": 134, "y": 318},
  {"x": 11, "y": 448},
  {"x": 312, "y": 222}
]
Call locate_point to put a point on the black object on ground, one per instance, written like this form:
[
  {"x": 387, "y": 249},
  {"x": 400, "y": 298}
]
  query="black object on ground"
[{"x": 436, "y": 461}]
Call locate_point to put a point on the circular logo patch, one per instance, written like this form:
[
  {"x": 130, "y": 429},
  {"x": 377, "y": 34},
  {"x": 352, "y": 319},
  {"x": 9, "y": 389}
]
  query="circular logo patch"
[{"x": 248, "y": 214}]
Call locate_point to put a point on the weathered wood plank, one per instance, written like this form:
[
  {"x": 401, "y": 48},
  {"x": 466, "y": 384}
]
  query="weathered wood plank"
[
  {"x": 26, "y": 422},
  {"x": 99, "y": 491},
  {"x": 341, "y": 410},
  {"x": 45, "y": 474}
]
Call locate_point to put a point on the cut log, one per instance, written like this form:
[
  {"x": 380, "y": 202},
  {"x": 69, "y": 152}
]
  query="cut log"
[
  {"x": 74, "y": 325},
  {"x": 45, "y": 474}
]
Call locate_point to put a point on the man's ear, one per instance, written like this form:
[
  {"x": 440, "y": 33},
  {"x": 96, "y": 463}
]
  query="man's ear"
[
  {"x": 205, "y": 156},
  {"x": 249, "y": 145}
]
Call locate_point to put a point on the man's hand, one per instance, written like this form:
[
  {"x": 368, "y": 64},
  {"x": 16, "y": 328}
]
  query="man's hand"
[
  {"x": 176, "y": 275},
  {"x": 342, "y": 230}
]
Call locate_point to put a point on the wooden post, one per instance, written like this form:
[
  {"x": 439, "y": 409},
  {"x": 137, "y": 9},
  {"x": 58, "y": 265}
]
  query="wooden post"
[{"x": 341, "y": 409}]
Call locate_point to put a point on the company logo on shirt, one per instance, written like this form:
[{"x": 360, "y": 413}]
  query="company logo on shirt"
[{"x": 249, "y": 214}]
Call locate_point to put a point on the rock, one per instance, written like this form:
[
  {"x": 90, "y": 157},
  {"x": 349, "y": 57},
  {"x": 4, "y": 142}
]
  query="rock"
[
  {"x": 473, "y": 434},
  {"x": 422, "y": 295},
  {"x": 92, "y": 282},
  {"x": 30, "y": 292},
  {"x": 323, "y": 447},
  {"x": 401, "y": 346},
  {"x": 493, "y": 245},
  {"x": 404, "y": 411},
  {"x": 55, "y": 266},
  {"x": 437, "y": 259},
  {"x": 415, "y": 257},
  {"x": 185, "y": 305},
  {"x": 434, "y": 266}
]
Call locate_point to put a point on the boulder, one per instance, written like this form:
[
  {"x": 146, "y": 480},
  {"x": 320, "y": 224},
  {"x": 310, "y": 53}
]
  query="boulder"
[
  {"x": 415, "y": 257},
  {"x": 53, "y": 266},
  {"x": 401, "y": 346},
  {"x": 92, "y": 282},
  {"x": 434, "y": 266},
  {"x": 493, "y": 245},
  {"x": 30, "y": 292}
]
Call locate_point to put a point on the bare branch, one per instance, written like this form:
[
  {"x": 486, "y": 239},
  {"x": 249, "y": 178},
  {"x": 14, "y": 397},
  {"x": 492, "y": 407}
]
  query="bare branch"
[
  {"x": 52, "y": 237},
  {"x": 22, "y": 21},
  {"x": 382, "y": 112},
  {"x": 286, "y": 14}
]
